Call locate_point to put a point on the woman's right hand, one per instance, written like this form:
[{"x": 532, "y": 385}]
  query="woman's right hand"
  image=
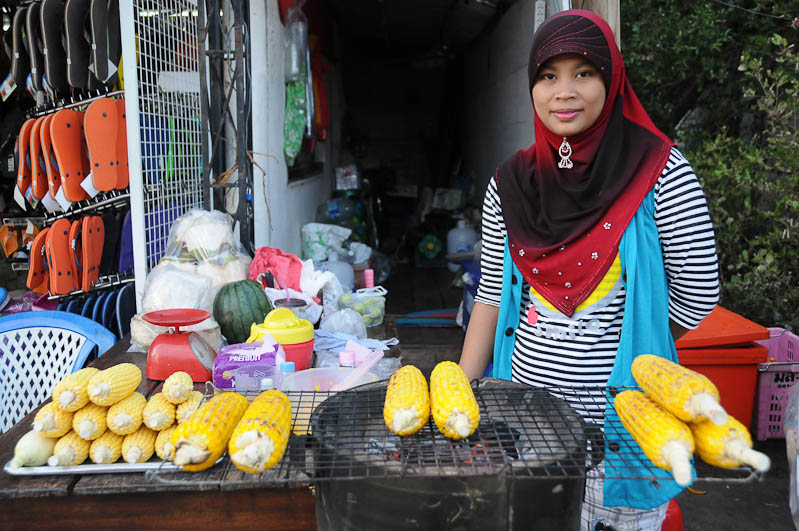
[{"x": 478, "y": 346}]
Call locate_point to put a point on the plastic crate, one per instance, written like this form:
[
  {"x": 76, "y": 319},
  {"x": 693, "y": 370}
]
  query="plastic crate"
[{"x": 775, "y": 379}]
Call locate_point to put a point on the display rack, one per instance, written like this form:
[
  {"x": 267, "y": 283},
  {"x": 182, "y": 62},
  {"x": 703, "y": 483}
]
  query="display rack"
[
  {"x": 164, "y": 122},
  {"x": 217, "y": 88}
]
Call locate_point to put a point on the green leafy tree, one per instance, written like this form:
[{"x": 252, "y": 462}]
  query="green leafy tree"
[{"x": 736, "y": 76}]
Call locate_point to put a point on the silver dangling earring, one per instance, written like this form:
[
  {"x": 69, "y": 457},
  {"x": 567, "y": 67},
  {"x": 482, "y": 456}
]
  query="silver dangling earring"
[{"x": 565, "y": 151}]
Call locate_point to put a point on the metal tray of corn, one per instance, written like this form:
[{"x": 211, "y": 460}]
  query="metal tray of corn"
[{"x": 91, "y": 468}]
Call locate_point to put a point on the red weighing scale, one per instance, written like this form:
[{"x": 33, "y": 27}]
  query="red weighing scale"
[{"x": 179, "y": 351}]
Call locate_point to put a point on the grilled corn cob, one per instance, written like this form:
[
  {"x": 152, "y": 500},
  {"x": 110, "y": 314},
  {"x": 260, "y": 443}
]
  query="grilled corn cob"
[
  {"x": 159, "y": 413},
  {"x": 687, "y": 394},
  {"x": 455, "y": 410},
  {"x": 106, "y": 448},
  {"x": 188, "y": 407},
  {"x": 664, "y": 438},
  {"x": 201, "y": 440},
  {"x": 124, "y": 417},
  {"x": 407, "y": 405},
  {"x": 114, "y": 383},
  {"x": 90, "y": 421},
  {"x": 260, "y": 438},
  {"x": 138, "y": 447},
  {"x": 51, "y": 421},
  {"x": 163, "y": 448},
  {"x": 727, "y": 446},
  {"x": 70, "y": 394},
  {"x": 69, "y": 450},
  {"x": 177, "y": 387}
]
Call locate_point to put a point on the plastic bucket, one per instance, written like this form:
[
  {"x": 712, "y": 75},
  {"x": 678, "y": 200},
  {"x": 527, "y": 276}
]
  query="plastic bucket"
[{"x": 300, "y": 353}]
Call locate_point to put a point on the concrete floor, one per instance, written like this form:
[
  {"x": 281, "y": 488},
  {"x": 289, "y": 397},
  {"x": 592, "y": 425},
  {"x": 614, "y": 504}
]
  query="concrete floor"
[{"x": 755, "y": 505}]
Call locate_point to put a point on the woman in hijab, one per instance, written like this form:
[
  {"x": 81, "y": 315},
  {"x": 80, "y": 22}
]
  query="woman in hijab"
[{"x": 597, "y": 247}]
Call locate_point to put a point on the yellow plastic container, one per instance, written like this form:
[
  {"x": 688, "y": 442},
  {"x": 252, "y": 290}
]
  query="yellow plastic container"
[{"x": 295, "y": 335}]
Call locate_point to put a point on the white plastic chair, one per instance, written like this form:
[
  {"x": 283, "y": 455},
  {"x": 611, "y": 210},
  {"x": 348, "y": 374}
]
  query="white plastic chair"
[{"x": 37, "y": 349}]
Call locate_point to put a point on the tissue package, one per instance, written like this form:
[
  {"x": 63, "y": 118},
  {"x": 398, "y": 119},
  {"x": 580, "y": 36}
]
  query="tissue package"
[{"x": 242, "y": 366}]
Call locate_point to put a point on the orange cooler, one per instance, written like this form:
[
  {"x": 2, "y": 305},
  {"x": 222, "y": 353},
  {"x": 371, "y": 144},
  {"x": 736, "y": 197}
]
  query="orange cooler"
[
  {"x": 723, "y": 348},
  {"x": 295, "y": 335}
]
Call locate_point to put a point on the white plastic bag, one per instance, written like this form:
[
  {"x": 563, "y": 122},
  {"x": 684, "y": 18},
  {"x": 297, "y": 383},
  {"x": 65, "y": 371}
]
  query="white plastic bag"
[
  {"x": 346, "y": 321},
  {"x": 169, "y": 286},
  {"x": 369, "y": 302},
  {"x": 319, "y": 238}
]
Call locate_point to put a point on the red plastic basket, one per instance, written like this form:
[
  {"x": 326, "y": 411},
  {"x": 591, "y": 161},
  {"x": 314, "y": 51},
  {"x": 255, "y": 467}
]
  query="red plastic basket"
[{"x": 775, "y": 379}]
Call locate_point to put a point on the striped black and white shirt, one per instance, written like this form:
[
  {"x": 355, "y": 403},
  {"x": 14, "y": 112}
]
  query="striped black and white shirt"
[{"x": 577, "y": 351}]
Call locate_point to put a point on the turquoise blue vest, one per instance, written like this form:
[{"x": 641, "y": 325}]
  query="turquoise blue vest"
[{"x": 645, "y": 330}]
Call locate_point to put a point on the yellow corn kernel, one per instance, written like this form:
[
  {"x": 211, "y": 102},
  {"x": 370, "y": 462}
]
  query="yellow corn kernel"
[
  {"x": 189, "y": 406},
  {"x": 138, "y": 447},
  {"x": 727, "y": 446},
  {"x": 260, "y": 438},
  {"x": 159, "y": 413},
  {"x": 452, "y": 402},
  {"x": 106, "y": 449},
  {"x": 163, "y": 448},
  {"x": 687, "y": 394},
  {"x": 407, "y": 405},
  {"x": 178, "y": 387},
  {"x": 50, "y": 421},
  {"x": 125, "y": 416},
  {"x": 69, "y": 450},
  {"x": 70, "y": 394},
  {"x": 90, "y": 421},
  {"x": 201, "y": 440},
  {"x": 111, "y": 385},
  {"x": 664, "y": 439}
]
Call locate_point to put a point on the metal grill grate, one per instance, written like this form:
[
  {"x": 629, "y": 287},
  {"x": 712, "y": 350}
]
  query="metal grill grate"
[{"x": 523, "y": 432}]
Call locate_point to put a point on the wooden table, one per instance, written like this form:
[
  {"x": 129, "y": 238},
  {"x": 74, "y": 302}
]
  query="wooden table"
[{"x": 212, "y": 498}]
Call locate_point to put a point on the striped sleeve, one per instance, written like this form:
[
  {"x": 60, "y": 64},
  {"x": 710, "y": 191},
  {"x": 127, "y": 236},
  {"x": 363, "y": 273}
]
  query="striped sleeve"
[
  {"x": 493, "y": 249},
  {"x": 688, "y": 243}
]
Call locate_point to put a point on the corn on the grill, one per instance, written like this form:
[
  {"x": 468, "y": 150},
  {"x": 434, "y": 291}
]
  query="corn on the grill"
[
  {"x": 201, "y": 440},
  {"x": 163, "y": 448},
  {"x": 260, "y": 438},
  {"x": 159, "y": 413},
  {"x": 685, "y": 393},
  {"x": 664, "y": 439},
  {"x": 106, "y": 448},
  {"x": 50, "y": 421},
  {"x": 70, "y": 394},
  {"x": 407, "y": 405},
  {"x": 111, "y": 385},
  {"x": 727, "y": 446},
  {"x": 455, "y": 410},
  {"x": 124, "y": 417},
  {"x": 90, "y": 421},
  {"x": 69, "y": 450},
  {"x": 188, "y": 407},
  {"x": 177, "y": 387},
  {"x": 138, "y": 447}
]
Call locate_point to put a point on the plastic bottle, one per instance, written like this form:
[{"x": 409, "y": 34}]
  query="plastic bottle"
[
  {"x": 368, "y": 278},
  {"x": 286, "y": 371},
  {"x": 461, "y": 239},
  {"x": 342, "y": 270},
  {"x": 267, "y": 384}
]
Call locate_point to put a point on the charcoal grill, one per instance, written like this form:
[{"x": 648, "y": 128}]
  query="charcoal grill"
[{"x": 523, "y": 468}]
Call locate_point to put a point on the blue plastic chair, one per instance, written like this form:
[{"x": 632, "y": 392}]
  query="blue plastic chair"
[{"x": 37, "y": 350}]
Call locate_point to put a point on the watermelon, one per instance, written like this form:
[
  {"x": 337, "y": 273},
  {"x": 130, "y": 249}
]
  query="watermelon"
[{"x": 237, "y": 306}]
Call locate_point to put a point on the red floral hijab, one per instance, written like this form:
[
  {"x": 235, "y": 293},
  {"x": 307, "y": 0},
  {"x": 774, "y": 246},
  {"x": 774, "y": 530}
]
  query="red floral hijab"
[{"x": 564, "y": 225}]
